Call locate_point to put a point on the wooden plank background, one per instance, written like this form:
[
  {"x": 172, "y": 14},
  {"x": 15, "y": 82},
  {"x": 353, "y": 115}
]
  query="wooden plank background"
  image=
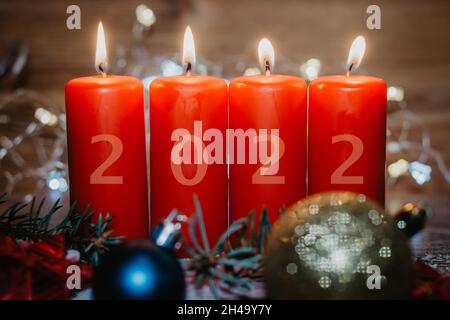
[{"x": 411, "y": 50}]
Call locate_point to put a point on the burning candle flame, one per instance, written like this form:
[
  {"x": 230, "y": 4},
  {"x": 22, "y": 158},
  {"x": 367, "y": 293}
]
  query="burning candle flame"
[
  {"x": 188, "y": 49},
  {"x": 266, "y": 55},
  {"x": 356, "y": 53},
  {"x": 101, "y": 58}
]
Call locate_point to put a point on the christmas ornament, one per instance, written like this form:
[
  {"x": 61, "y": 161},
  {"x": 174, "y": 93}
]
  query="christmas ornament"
[
  {"x": 411, "y": 219},
  {"x": 143, "y": 270},
  {"x": 337, "y": 245}
]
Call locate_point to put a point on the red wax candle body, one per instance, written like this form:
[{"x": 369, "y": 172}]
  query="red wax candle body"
[
  {"x": 347, "y": 135},
  {"x": 268, "y": 102},
  {"x": 106, "y": 145},
  {"x": 183, "y": 103}
]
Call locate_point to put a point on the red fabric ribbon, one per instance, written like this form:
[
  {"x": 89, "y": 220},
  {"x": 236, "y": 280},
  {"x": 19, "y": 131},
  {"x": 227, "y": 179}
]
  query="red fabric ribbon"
[{"x": 36, "y": 270}]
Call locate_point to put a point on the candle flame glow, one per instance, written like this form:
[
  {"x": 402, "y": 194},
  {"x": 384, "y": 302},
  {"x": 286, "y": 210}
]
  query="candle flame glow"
[
  {"x": 356, "y": 53},
  {"x": 101, "y": 58},
  {"x": 188, "y": 48},
  {"x": 266, "y": 54}
]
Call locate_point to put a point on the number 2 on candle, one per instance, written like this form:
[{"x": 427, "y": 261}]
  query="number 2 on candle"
[
  {"x": 97, "y": 176},
  {"x": 357, "y": 150}
]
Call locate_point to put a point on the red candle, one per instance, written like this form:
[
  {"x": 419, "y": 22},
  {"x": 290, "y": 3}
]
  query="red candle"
[
  {"x": 106, "y": 146},
  {"x": 188, "y": 121},
  {"x": 347, "y": 132},
  {"x": 271, "y": 111}
]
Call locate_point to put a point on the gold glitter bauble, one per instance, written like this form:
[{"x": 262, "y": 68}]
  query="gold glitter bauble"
[{"x": 337, "y": 245}]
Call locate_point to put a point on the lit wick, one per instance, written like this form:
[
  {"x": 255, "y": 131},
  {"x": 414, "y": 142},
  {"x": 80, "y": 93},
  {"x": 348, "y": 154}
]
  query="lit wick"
[
  {"x": 350, "y": 69},
  {"x": 101, "y": 57},
  {"x": 356, "y": 54},
  {"x": 188, "y": 58},
  {"x": 267, "y": 67},
  {"x": 101, "y": 68},
  {"x": 266, "y": 55},
  {"x": 188, "y": 69}
]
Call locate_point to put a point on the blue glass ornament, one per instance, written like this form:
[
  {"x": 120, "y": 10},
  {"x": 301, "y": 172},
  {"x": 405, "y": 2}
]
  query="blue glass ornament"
[{"x": 143, "y": 270}]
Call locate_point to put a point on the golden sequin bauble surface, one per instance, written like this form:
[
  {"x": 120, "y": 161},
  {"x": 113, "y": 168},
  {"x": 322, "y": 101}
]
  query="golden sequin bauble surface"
[{"x": 337, "y": 245}]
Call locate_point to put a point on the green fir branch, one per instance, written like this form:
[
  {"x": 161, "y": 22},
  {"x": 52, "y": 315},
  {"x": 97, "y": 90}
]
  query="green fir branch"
[
  {"x": 236, "y": 257},
  {"x": 29, "y": 222}
]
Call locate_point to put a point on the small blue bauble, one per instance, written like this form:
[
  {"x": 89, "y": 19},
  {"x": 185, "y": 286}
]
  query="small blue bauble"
[{"x": 139, "y": 271}]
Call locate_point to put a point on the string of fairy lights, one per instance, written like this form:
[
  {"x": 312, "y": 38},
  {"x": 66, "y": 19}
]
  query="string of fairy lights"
[{"x": 45, "y": 167}]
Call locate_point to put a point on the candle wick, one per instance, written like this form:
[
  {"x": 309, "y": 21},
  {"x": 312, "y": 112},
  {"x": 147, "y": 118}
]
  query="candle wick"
[
  {"x": 189, "y": 69},
  {"x": 267, "y": 67},
  {"x": 102, "y": 69},
  {"x": 349, "y": 69}
]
